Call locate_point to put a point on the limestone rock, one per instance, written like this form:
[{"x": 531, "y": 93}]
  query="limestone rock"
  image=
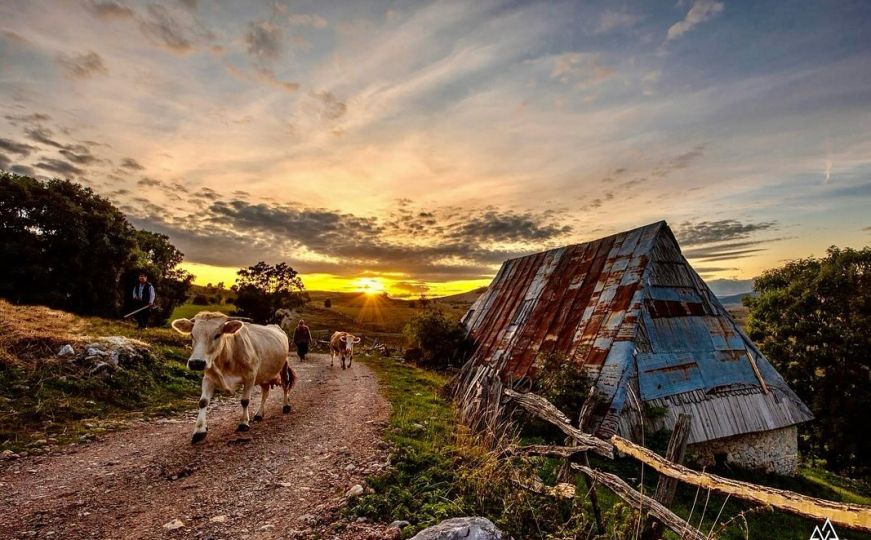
[{"x": 464, "y": 528}]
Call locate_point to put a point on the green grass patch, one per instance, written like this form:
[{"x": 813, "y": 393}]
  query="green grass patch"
[
  {"x": 438, "y": 470},
  {"x": 59, "y": 402},
  {"x": 188, "y": 310}
]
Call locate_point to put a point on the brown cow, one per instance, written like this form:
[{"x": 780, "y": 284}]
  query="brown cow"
[
  {"x": 230, "y": 353},
  {"x": 342, "y": 344}
]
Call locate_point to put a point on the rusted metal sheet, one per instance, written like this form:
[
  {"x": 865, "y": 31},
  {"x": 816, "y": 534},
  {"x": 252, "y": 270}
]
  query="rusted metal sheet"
[{"x": 631, "y": 311}]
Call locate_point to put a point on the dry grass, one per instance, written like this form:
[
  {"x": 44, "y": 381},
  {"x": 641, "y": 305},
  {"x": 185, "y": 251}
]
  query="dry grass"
[{"x": 28, "y": 332}]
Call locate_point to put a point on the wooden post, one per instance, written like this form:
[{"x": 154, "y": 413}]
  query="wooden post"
[
  {"x": 665, "y": 486},
  {"x": 566, "y": 474}
]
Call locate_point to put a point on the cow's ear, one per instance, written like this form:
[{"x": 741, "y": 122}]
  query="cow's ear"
[
  {"x": 343, "y": 338},
  {"x": 357, "y": 340},
  {"x": 231, "y": 327},
  {"x": 183, "y": 326}
]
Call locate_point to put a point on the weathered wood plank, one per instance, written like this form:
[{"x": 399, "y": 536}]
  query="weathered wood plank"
[
  {"x": 854, "y": 516},
  {"x": 637, "y": 500},
  {"x": 545, "y": 450},
  {"x": 545, "y": 410},
  {"x": 666, "y": 486}
]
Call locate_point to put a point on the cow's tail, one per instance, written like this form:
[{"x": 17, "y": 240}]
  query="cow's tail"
[{"x": 288, "y": 377}]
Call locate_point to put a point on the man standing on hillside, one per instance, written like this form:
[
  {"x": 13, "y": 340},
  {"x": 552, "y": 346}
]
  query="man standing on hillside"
[
  {"x": 143, "y": 297},
  {"x": 302, "y": 338}
]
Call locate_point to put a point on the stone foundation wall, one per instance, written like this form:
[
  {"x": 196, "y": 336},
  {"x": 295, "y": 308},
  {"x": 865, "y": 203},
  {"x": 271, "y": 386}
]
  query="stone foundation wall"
[{"x": 770, "y": 451}]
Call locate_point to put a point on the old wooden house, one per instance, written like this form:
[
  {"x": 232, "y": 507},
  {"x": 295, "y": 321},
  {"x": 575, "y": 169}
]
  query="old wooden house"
[{"x": 631, "y": 312}]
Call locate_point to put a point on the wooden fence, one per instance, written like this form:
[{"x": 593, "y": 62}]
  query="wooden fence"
[{"x": 852, "y": 516}]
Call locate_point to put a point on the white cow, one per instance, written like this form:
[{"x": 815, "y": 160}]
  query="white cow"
[
  {"x": 342, "y": 345},
  {"x": 232, "y": 353}
]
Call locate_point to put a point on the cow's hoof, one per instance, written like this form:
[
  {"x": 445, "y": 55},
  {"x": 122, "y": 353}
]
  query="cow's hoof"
[
  {"x": 285, "y": 409},
  {"x": 258, "y": 417},
  {"x": 198, "y": 437},
  {"x": 243, "y": 427}
]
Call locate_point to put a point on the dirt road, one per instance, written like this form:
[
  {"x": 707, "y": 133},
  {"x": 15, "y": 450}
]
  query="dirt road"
[{"x": 286, "y": 478}]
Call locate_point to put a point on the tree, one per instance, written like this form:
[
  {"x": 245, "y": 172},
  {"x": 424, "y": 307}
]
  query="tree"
[
  {"x": 812, "y": 319},
  {"x": 442, "y": 342},
  {"x": 73, "y": 250},
  {"x": 263, "y": 289}
]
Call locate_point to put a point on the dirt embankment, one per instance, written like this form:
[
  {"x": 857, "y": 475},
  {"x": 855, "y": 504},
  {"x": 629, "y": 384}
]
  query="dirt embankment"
[{"x": 286, "y": 478}]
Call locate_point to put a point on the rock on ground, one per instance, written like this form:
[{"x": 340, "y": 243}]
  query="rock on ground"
[{"x": 464, "y": 528}]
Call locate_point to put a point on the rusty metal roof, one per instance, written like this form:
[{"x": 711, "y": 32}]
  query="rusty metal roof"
[{"x": 631, "y": 310}]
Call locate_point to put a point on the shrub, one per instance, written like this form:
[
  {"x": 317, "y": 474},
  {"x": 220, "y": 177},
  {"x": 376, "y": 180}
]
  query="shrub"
[
  {"x": 200, "y": 300},
  {"x": 442, "y": 342},
  {"x": 328, "y": 303}
]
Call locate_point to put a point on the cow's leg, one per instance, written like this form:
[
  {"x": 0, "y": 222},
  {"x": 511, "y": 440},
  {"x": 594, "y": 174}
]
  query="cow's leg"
[
  {"x": 205, "y": 396},
  {"x": 332, "y": 358},
  {"x": 264, "y": 394},
  {"x": 287, "y": 381},
  {"x": 350, "y": 360},
  {"x": 343, "y": 360},
  {"x": 247, "y": 389}
]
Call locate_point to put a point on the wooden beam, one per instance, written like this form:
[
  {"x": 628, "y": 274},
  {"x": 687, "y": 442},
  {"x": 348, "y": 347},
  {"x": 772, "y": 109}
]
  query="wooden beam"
[
  {"x": 545, "y": 410},
  {"x": 544, "y": 450},
  {"x": 637, "y": 500},
  {"x": 854, "y": 516},
  {"x": 666, "y": 486}
]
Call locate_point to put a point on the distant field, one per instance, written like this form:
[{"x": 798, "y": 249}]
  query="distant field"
[{"x": 188, "y": 310}]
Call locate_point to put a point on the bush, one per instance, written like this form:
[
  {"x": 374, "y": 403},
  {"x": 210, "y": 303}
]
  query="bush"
[
  {"x": 442, "y": 342},
  {"x": 328, "y": 303},
  {"x": 264, "y": 289},
  {"x": 200, "y": 300}
]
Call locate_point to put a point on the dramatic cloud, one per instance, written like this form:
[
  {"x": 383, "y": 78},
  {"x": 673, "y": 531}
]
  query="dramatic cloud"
[
  {"x": 109, "y": 9},
  {"x": 80, "y": 154},
  {"x": 58, "y": 166},
  {"x": 42, "y": 135},
  {"x": 5, "y": 163},
  {"x": 83, "y": 65},
  {"x": 33, "y": 118},
  {"x": 701, "y": 11},
  {"x": 14, "y": 147},
  {"x": 681, "y": 161},
  {"x": 331, "y": 107},
  {"x": 507, "y": 227},
  {"x": 707, "y": 232},
  {"x": 132, "y": 164},
  {"x": 265, "y": 41},
  {"x": 164, "y": 29}
]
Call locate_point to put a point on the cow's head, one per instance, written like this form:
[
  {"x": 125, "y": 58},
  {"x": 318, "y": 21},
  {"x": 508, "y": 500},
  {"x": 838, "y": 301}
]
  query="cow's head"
[
  {"x": 207, "y": 331},
  {"x": 349, "y": 342}
]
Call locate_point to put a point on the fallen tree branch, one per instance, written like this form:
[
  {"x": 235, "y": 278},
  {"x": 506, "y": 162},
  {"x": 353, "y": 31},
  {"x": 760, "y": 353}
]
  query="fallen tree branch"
[
  {"x": 854, "y": 516},
  {"x": 545, "y": 450},
  {"x": 634, "y": 499},
  {"x": 545, "y": 410}
]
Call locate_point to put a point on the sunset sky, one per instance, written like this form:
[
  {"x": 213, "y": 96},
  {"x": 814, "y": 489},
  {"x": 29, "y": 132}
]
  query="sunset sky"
[{"x": 415, "y": 146}]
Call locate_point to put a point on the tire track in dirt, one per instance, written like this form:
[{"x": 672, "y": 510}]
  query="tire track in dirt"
[{"x": 283, "y": 479}]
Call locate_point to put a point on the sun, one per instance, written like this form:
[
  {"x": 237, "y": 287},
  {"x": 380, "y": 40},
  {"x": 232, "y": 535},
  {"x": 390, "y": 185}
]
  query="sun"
[{"x": 370, "y": 286}]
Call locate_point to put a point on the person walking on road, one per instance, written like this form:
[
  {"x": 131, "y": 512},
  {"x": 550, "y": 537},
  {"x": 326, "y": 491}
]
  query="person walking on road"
[
  {"x": 302, "y": 338},
  {"x": 143, "y": 297}
]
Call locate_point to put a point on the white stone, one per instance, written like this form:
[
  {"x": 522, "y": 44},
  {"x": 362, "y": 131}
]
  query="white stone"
[{"x": 173, "y": 525}]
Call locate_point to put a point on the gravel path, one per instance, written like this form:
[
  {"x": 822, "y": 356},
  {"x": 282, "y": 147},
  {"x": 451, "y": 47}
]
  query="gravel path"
[{"x": 286, "y": 478}]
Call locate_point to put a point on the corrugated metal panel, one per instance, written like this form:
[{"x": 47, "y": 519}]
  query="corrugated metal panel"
[{"x": 630, "y": 309}]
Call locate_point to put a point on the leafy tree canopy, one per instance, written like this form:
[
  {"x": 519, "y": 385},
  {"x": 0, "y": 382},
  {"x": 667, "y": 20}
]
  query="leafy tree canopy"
[
  {"x": 68, "y": 248},
  {"x": 263, "y": 289},
  {"x": 812, "y": 319}
]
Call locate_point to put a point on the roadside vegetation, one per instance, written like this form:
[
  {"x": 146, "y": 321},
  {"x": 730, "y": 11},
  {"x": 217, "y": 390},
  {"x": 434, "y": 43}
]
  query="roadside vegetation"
[{"x": 47, "y": 400}]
